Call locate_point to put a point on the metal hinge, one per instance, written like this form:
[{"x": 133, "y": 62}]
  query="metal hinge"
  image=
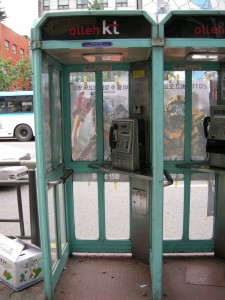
[
  {"x": 35, "y": 45},
  {"x": 157, "y": 42}
]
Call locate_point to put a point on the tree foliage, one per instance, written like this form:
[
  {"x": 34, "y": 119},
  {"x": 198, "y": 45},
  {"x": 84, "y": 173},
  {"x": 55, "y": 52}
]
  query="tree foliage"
[
  {"x": 95, "y": 5},
  {"x": 5, "y": 74},
  {"x": 22, "y": 73},
  {"x": 3, "y": 16},
  {"x": 17, "y": 75}
]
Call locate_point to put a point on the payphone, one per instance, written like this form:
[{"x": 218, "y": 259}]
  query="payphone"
[
  {"x": 214, "y": 128},
  {"x": 127, "y": 140}
]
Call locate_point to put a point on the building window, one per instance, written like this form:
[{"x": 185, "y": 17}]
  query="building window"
[
  {"x": 46, "y": 5},
  {"x": 104, "y": 3},
  {"x": 62, "y": 4},
  {"x": 14, "y": 49},
  {"x": 21, "y": 52},
  {"x": 82, "y": 3},
  {"x": 121, "y": 3},
  {"x": 6, "y": 45}
]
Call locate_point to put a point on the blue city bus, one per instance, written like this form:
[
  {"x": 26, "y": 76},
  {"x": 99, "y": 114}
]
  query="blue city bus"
[{"x": 17, "y": 115}]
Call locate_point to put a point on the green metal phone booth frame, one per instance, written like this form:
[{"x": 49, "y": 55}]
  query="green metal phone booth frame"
[
  {"x": 189, "y": 32},
  {"x": 52, "y": 183},
  {"x": 53, "y": 175}
]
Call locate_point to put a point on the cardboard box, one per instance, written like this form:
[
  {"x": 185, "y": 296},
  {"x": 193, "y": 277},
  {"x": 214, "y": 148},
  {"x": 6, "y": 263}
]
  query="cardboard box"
[{"x": 20, "y": 263}]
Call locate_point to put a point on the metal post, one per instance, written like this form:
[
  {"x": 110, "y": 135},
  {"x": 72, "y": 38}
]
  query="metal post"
[
  {"x": 20, "y": 210},
  {"x": 34, "y": 218}
]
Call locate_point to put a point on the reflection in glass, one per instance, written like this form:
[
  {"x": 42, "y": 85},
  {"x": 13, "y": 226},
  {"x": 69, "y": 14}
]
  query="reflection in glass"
[
  {"x": 202, "y": 206},
  {"x": 204, "y": 94},
  {"x": 174, "y": 114},
  {"x": 115, "y": 101},
  {"x": 83, "y": 116},
  {"x": 117, "y": 207},
  {"x": 52, "y": 226},
  {"x": 173, "y": 207},
  {"x": 85, "y": 191},
  {"x": 57, "y": 126},
  {"x": 47, "y": 116},
  {"x": 62, "y": 215}
]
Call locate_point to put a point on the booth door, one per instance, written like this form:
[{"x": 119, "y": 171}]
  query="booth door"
[
  {"x": 101, "y": 209},
  {"x": 52, "y": 198},
  {"x": 189, "y": 202}
]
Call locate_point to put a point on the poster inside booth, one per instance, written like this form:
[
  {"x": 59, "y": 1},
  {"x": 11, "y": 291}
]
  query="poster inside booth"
[
  {"x": 203, "y": 94},
  {"x": 83, "y": 111}
]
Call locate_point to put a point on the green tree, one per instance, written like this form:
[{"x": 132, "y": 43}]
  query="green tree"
[
  {"x": 18, "y": 75},
  {"x": 5, "y": 74},
  {"x": 3, "y": 16},
  {"x": 22, "y": 74},
  {"x": 95, "y": 5}
]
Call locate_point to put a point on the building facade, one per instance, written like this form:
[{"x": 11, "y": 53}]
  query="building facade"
[
  {"x": 12, "y": 44},
  {"x": 55, "y": 5},
  {"x": 153, "y": 7}
]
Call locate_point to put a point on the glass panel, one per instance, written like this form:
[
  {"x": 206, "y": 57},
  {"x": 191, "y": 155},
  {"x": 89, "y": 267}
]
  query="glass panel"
[
  {"x": 82, "y": 2},
  {"x": 173, "y": 208},
  {"x": 63, "y": 2},
  {"x": 115, "y": 101},
  {"x": 174, "y": 113},
  {"x": 47, "y": 120},
  {"x": 2, "y": 107},
  {"x": 204, "y": 94},
  {"x": 202, "y": 206},
  {"x": 85, "y": 189},
  {"x": 14, "y": 106},
  {"x": 20, "y": 103},
  {"x": 62, "y": 215},
  {"x": 104, "y": 3},
  {"x": 121, "y": 2},
  {"x": 52, "y": 225},
  {"x": 117, "y": 206},
  {"x": 57, "y": 126},
  {"x": 83, "y": 116}
]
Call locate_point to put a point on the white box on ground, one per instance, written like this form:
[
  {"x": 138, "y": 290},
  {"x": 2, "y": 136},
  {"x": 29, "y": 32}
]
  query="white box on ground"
[{"x": 20, "y": 263}]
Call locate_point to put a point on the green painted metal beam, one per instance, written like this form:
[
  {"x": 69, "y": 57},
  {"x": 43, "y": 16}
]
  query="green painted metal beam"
[
  {"x": 41, "y": 171},
  {"x": 157, "y": 172}
]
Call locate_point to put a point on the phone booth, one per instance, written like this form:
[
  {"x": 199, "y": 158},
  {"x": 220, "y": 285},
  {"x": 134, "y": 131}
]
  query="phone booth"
[
  {"x": 91, "y": 68},
  {"x": 193, "y": 88}
]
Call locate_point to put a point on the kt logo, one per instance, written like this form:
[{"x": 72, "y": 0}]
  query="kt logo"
[{"x": 110, "y": 28}]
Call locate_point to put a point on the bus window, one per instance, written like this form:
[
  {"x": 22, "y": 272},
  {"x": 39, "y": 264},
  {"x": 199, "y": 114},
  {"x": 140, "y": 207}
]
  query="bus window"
[
  {"x": 14, "y": 107},
  {"x": 27, "y": 106},
  {"x": 2, "y": 107}
]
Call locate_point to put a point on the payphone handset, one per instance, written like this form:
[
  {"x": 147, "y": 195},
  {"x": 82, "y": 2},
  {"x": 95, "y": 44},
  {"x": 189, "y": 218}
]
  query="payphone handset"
[
  {"x": 113, "y": 136},
  {"x": 124, "y": 143},
  {"x": 214, "y": 129}
]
